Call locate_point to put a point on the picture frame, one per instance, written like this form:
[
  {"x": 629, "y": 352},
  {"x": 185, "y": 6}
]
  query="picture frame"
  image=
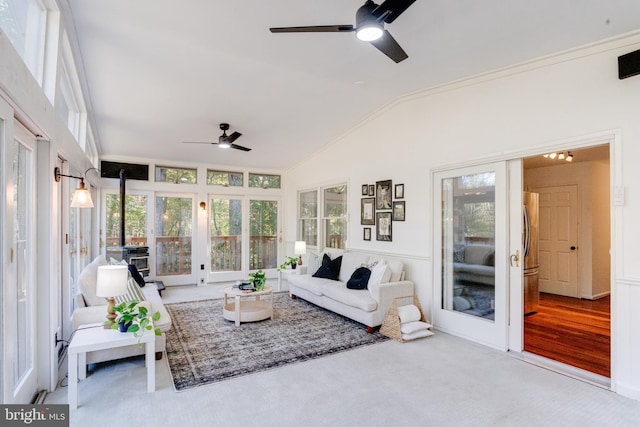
[
  {"x": 398, "y": 211},
  {"x": 399, "y": 191},
  {"x": 367, "y": 211},
  {"x": 383, "y": 195},
  {"x": 372, "y": 190},
  {"x": 365, "y": 190},
  {"x": 383, "y": 226},
  {"x": 366, "y": 234}
]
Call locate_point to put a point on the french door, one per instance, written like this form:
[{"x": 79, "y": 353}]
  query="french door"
[
  {"x": 470, "y": 253},
  {"x": 242, "y": 236},
  {"x": 18, "y": 363}
]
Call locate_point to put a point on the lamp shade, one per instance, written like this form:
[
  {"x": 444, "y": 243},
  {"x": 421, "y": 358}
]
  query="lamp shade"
[
  {"x": 81, "y": 197},
  {"x": 300, "y": 248},
  {"x": 112, "y": 280}
]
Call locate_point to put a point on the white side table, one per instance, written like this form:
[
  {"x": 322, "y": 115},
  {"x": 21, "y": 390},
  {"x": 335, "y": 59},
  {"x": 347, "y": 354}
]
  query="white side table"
[
  {"x": 95, "y": 337},
  {"x": 286, "y": 273}
]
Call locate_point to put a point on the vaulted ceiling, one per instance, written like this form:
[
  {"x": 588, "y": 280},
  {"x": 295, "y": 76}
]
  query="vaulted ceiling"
[{"x": 160, "y": 72}]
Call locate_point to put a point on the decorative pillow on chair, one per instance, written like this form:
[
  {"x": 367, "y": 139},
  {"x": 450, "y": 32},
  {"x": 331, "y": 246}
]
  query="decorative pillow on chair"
[
  {"x": 87, "y": 282},
  {"x": 359, "y": 278},
  {"x": 133, "y": 293},
  {"x": 133, "y": 270},
  {"x": 330, "y": 269}
]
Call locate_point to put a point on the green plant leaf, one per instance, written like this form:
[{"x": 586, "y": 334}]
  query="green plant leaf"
[{"x": 156, "y": 316}]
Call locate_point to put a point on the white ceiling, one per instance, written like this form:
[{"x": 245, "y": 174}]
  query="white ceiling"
[{"x": 164, "y": 71}]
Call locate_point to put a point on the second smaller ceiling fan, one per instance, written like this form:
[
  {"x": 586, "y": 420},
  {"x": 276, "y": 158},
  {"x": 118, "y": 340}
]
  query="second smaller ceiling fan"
[{"x": 224, "y": 140}]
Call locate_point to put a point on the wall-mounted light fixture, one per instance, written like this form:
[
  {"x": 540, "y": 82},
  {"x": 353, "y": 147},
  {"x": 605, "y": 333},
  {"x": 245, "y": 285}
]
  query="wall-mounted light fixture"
[
  {"x": 203, "y": 206},
  {"x": 560, "y": 156},
  {"x": 81, "y": 197}
]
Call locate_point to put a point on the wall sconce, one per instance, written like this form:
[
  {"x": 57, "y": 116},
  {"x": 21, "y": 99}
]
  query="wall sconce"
[
  {"x": 81, "y": 197},
  {"x": 203, "y": 208}
]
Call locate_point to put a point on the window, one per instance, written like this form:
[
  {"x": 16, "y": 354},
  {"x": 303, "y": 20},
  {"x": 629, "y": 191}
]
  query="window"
[
  {"x": 264, "y": 181},
  {"x": 176, "y": 175},
  {"x": 174, "y": 225},
  {"x": 24, "y": 23},
  {"x": 225, "y": 178},
  {"x": 308, "y": 217},
  {"x": 135, "y": 220},
  {"x": 69, "y": 100},
  {"x": 225, "y": 227},
  {"x": 335, "y": 216}
]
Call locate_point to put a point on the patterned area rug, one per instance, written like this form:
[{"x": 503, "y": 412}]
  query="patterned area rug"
[{"x": 204, "y": 348}]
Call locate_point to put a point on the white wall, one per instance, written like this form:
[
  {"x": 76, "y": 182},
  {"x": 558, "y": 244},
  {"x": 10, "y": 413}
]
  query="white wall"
[{"x": 501, "y": 115}]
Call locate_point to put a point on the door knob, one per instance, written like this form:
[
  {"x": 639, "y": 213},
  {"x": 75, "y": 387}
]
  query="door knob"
[
  {"x": 515, "y": 259},
  {"x": 573, "y": 248}
]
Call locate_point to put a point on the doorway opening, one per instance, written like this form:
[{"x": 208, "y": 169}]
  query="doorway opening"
[{"x": 570, "y": 321}]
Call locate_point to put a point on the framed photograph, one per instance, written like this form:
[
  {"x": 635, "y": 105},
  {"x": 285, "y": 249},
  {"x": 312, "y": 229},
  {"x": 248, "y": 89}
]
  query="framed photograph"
[
  {"x": 365, "y": 190},
  {"x": 366, "y": 234},
  {"x": 383, "y": 195},
  {"x": 367, "y": 211},
  {"x": 383, "y": 226},
  {"x": 398, "y": 211},
  {"x": 372, "y": 190},
  {"x": 399, "y": 191}
]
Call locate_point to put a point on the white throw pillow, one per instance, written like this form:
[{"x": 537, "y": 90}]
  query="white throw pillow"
[
  {"x": 314, "y": 262},
  {"x": 113, "y": 261},
  {"x": 88, "y": 280},
  {"x": 411, "y": 327},
  {"x": 350, "y": 262},
  {"x": 380, "y": 273},
  {"x": 396, "y": 270},
  {"x": 409, "y": 313}
]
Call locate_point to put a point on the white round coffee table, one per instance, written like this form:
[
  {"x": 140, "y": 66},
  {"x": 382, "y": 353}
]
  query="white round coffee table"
[{"x": 247, "y": 306}]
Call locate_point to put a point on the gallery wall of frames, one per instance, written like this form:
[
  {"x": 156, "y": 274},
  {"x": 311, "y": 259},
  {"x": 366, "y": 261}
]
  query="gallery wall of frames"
[{"x": 381, "y": 205}]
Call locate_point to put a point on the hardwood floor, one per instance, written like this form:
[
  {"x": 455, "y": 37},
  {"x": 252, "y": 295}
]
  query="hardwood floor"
[{"x": 571, "y": 331}]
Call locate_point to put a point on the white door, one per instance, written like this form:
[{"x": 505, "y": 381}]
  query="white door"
[
  {"x": 19, "y": 375},
  {"x": 559, "y": 240},
  {"x": 470, "y": 253}
]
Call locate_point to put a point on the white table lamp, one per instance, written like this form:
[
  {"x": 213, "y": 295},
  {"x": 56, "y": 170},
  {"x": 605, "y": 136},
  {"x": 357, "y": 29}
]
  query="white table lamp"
[
  {"x": 111, "y": 282},
  {"x": 300, "y": 249}
]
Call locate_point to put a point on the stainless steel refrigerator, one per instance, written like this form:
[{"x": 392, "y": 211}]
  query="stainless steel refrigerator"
[{"x": 530, "y": 245}]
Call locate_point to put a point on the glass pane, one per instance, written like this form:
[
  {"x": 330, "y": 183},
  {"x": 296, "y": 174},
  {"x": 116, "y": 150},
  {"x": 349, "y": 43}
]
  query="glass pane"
[
  {"x": 309, "y": 231},
  {"x": 226, "y": 234},
  {"x": 23, "y": 21},
  {"x": 224, "y": 178},
  {"x": 135, "y": 218},
  {"x": 309, "y": 204},
  {"x": 335, "y": 201},
  {"x": 21, "y": 163},
  {"x": 176, "y": 175},
  {"x": 264, "y": 181},
  {"x": 263, "y": 242},
  {"x": 174, "y": 220},
  {"x": 468, "y": 242},
  {"x": 336, "y": 233}
]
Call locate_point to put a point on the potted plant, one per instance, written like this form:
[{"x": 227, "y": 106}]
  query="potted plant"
[
  {"x": 258, "y": 279},
  {"x": 291, "y": 260},
  {"x": 135, "y": 318}
]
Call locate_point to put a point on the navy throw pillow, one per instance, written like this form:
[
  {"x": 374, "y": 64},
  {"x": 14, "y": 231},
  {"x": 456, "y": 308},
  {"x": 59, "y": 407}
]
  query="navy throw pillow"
[
  {"x": 330, "y": 269},
  {"x": 136, "y": 275},
  {"x": 359, "y": 279}
]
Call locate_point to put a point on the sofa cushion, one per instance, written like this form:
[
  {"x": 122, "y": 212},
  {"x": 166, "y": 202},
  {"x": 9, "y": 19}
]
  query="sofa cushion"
[
  {"x": 475, "y": 254},
  {"x": 330, "y": 269},
  {"x": 350, "y": 262},
  {"x": 359, "y": 278},
  {"x": 309, "y": 283},
  {"x": 358, "y": 298},
  {"x": 87, "y": 282},
  {"x": 314, "y": 261}
]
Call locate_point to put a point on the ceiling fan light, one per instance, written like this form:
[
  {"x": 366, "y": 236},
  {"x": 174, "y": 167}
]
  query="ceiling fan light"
[
  {"x": 223, "y": 143},
  {"x": 369, "y": 32}
]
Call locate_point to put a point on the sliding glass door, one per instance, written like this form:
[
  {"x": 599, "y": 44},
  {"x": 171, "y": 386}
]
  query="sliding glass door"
[{"x": 174, "y": 219}]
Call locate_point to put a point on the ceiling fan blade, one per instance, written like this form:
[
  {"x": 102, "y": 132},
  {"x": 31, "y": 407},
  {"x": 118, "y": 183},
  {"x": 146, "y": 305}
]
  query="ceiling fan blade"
[
  {"x": 198, "y": 142},
  {"x": 233, "y": 136},
  {"x": 240, "y": 147},
  {"x": 314, "y": 29},
  {"x": 392, "y": 9},
  {"x": 390, "y": 47}
]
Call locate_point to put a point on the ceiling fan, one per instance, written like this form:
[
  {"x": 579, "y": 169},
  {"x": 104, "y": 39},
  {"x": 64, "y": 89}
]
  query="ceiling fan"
[
  {"x": 370, "y": 20},
  {"x": 224, "y": 140}
]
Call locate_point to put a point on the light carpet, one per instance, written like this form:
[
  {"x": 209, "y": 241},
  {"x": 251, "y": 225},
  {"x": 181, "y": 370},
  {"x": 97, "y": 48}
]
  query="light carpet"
[{"x": 203, "y": 347}]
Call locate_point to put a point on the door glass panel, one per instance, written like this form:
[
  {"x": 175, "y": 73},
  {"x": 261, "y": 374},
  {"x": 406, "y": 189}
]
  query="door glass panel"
[
  {"x": 263, "y": 242},
  {"x": 21, "y": 164},
  {"x": 225, "y": 229},
  {"x": 174, "y": 223},
  {"x": 135, "y": 222},
  {"x": 468, "y": 244}
]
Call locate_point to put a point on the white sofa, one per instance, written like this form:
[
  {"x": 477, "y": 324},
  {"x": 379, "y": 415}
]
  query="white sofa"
[
  {"x": 474, "y": 264},
  {"x": 368, "y": 306},
  {"x": 91, "y": 309}
]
